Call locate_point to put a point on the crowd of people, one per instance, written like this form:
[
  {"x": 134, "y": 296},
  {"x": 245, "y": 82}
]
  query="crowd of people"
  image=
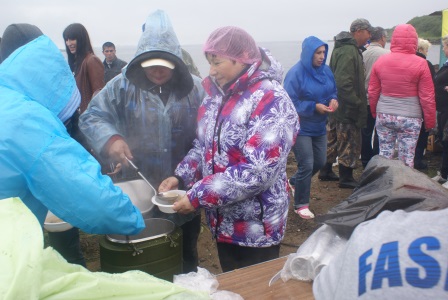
[{"x": 225, "y": 138}]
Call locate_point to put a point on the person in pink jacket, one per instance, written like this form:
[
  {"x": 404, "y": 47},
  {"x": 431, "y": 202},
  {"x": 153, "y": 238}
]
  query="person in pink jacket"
[
  {"x": 401, "y": 96},
  {"x": 236, "y": 170}
]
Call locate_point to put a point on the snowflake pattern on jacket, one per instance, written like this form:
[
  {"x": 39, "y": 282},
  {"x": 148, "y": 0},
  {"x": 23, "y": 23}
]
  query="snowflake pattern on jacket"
[{"x": 237, "y": 167}]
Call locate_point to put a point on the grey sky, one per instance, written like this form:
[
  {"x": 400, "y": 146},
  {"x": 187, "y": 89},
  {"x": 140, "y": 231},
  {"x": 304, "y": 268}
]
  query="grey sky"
[{"x": 193, "y": 20}]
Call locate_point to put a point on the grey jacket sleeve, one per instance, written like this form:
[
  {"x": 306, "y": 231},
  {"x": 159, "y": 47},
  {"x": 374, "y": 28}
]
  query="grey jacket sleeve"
[{"x": 101, "y": 121}]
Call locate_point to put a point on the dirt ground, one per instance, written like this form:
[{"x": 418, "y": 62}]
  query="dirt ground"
[{"x": 324, "y": 196}]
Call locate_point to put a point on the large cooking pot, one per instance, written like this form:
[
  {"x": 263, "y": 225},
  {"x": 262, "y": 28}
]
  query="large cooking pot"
[
  {"x": 157, "y": 250},
  {"x": 140, "y": 193}
]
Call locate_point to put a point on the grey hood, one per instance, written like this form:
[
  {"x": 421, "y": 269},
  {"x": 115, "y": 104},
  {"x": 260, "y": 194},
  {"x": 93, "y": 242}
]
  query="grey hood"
[
  {"x": 159, "y": 40},
  {"x": 344, "y": 38}
]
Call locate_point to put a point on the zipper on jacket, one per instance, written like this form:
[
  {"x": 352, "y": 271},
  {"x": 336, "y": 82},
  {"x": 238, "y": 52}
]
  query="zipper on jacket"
[
  {"x": 216, "y": 226},
  {"x": 219, "y": 136},
  {"x": 261, "y": 216},
  {"x": 224, "y": 101}
]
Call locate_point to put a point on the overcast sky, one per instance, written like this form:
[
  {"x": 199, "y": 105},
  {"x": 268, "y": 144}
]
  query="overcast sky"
[{"x": 193, "y": 20}]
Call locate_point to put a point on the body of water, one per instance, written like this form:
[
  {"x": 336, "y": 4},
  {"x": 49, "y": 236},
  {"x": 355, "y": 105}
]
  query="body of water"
[{"x": 288, "y": 53}]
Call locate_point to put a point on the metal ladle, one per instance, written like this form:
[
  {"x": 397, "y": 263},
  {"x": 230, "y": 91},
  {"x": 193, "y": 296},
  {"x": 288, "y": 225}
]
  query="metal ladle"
[{"x": 159, "y": 195}]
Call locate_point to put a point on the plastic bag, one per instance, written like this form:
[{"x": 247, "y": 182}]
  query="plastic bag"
[
  {"x": 31, "y": 272},
  {"x": 315, "y": 253},
  {"x": 203, "y": 280},
  {"x": 385, "y": 185}
]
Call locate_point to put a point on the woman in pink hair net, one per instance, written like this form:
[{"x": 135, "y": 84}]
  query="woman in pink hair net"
[{"x": 236, "y": 169}]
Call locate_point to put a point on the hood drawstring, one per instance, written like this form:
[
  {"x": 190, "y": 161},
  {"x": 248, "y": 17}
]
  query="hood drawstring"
[{"x": 163, "y": 91}]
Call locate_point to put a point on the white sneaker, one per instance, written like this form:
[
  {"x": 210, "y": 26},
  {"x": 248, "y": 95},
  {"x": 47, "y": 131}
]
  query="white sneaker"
[
  {"x": 439, "y": 178},
  {"x": 445, "y": 185}
]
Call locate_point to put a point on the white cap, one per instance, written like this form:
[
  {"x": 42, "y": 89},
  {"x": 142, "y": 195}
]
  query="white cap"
[{"x": 157, "y": 62}]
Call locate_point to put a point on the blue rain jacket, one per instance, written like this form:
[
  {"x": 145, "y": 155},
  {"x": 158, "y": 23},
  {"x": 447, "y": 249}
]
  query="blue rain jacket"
[
  {"x": 39, "y": 161},
  {"x": 308, "y": 85}
]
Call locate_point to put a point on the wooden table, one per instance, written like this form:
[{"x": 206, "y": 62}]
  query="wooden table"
[{"x": 253, "y": 282}]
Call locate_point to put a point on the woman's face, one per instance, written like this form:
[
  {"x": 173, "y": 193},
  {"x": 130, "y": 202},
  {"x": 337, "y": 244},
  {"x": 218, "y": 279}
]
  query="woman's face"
[
  {"x": 318, "y": 57},
  {"x": 71, "y": 44},
  {"x": 445, "y": 48},
  {"x": 224, "y": 70},
  {"x": 158, "y": 74}
]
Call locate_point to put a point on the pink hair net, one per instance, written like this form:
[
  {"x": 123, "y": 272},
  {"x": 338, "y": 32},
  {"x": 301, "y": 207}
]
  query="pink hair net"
[{"x": 233, "y": 43}]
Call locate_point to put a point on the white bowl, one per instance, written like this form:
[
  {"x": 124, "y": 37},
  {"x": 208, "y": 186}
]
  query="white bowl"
[
  {"x": 167, "y": 206},
  {"x": 139, "y": 192},
  {"x": 54, "y": 224}
]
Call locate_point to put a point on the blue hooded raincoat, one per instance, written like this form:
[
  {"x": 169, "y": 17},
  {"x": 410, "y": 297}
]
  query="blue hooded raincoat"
[
  {"x": 39, "y": 161},
  {"x": 308, "y": 85}
]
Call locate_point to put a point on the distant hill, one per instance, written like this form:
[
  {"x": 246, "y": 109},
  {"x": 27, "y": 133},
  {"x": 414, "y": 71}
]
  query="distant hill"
[{"x": 428, "y": 27}]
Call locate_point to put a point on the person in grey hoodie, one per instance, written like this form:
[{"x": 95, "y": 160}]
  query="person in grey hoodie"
[
  {"x": 397, "y": 255},
  {"x": 370, "y": 56},
  {"x": 148, "y": 115}
]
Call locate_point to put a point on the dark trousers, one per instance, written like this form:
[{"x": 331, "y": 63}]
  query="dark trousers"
[
  {"x": 422, "y": 143},
  {"x": 67, "y": 244},
  {"x": 442, "y": 120},
  {"x": 190, "y": 231},
  {"x": 444, "y": 168},
  {"x": 367, "y": 150},
  {"x": 233, "y": 257}
]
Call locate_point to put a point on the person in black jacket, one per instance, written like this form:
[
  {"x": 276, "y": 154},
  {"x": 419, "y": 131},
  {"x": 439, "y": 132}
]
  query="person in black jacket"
[
  {"x": 419, "y": 164},
  {"x": 441, "y": 90},
  {"x": 112, "y": 64}
]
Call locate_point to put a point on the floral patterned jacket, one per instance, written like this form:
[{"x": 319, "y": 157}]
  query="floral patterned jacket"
[{"x": 237, "y": 167}]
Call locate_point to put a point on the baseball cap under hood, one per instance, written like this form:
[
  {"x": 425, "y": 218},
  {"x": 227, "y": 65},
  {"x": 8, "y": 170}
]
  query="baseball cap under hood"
[{"x": 159, "y": 40}]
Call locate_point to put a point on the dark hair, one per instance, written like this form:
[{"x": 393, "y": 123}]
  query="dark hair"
[
  {"x": 79, "y": 33},
  {"x": 377, "y": 33},
  {"x": 108, "y": 45}
]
